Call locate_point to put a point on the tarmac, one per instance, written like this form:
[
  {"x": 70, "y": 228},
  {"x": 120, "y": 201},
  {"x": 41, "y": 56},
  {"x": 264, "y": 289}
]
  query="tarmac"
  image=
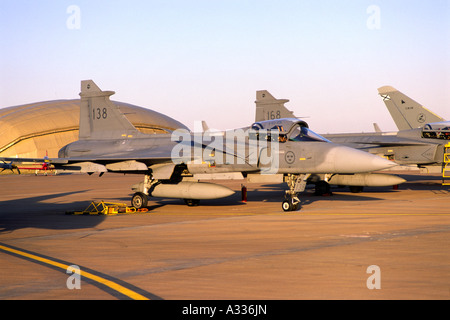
[{"x": 383, "y": 243}]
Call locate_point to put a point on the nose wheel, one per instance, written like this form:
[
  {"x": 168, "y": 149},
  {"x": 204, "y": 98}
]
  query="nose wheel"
[
  {"x": 296, "y": 184},
  {"x": 291, "y": 204}
]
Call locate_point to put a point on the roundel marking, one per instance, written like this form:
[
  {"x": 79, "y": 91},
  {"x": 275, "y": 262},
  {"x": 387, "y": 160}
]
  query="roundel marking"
[
  {"x": 289, "y": 157},
  {"x": 421, "y": 118}
]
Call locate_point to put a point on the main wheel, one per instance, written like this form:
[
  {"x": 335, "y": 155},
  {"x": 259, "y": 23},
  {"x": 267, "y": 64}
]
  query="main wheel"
[
  {"x": 139, "y": 200},
  {"x": 286, "y": 205},
  {"x": 322, "y": 187}
]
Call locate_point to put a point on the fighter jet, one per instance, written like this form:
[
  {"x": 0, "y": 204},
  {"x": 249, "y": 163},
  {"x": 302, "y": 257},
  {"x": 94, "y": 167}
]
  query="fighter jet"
[
  {"x": 283, "y": 148},
  {"x": 420, "y": 140},
  {"x": 268, "y": 107}
]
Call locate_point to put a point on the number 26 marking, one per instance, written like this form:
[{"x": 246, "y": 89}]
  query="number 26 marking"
[{"x": 98, "y": 113}]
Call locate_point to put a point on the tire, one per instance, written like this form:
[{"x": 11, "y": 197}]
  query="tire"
[
  {"x": 286, "y": 205},
  {"x": 139, "y": 200},
  {"x": 322, "y": 187}
]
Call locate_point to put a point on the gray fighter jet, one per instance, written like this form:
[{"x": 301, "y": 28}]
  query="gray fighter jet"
[
  {"x": 420, "y": 140},
  {"x": 268, "y": 107},
  {"x": 283, "y": 149}
]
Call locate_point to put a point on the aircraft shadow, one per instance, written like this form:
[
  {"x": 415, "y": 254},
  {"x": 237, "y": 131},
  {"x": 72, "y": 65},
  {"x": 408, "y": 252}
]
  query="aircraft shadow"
[
  {"x": 47, "y": 213},
  {"x": 423, "y": 182},
  {"x": 41, "y": 212},
  {"x": 275, "y": 193},
  {"x": 272, "y": 193},
  {"x": 233, "y": 200}
]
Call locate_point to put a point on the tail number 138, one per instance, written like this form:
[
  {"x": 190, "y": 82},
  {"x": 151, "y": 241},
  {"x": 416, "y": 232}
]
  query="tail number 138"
[{"x": 98, "y": 113}]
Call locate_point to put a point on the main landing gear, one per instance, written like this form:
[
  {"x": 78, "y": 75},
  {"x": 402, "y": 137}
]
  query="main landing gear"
[
  {"x": 141, "y": 197},
  {"x": 145, "y": 189},
  {"x": 139, "y": 200},
  {"x": 296, "y": 184}
]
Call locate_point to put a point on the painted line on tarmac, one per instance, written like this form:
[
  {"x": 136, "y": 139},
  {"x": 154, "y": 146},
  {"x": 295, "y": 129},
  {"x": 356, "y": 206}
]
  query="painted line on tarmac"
[{"x": 116, "y": 287}]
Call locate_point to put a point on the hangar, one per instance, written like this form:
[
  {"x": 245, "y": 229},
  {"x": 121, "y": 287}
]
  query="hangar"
[{"x": 36, "y": 129}]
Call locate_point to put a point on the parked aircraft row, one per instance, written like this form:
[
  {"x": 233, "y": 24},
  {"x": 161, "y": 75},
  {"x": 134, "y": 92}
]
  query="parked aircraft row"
[
  {"x": 420, "y": 140},
  {"x": 279, "y": 148}
]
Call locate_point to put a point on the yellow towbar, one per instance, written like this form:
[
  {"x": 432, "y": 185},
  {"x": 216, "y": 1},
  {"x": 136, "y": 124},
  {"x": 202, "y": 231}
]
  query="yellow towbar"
[{"x": 106, "y": 208}]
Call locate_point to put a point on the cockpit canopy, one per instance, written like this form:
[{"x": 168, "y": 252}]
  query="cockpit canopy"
[
  {"x": 286, "y": 130},
  {"x": 437, "y": 130}
]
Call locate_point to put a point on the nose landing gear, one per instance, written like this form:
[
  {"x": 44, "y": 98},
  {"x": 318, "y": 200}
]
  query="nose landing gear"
[
  {"x": 296, "y": 184},
  {"x": 292, "y": 204}
]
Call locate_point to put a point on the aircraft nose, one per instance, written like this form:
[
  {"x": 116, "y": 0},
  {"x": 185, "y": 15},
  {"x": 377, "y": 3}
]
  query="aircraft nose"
[
  {"x": 349, "y": 160},
  {"x": 381, "y": 163}
]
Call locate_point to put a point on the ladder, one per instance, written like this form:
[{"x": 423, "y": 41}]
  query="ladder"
[{"x": 446, "y": 166}]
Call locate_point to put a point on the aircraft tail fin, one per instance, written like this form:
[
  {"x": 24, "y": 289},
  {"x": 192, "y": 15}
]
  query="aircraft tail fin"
[
  {"x": 100, "y": 118},
  {"x": 269, "y": 108},
  {"x": 205, "y": 126},
  {"x": 377, "y": 128},
  {"x": 406, "y": 113}
]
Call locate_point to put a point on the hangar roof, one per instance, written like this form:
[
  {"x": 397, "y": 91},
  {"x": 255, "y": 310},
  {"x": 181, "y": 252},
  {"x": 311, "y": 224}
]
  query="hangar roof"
[{"x": 48, "y": 118}]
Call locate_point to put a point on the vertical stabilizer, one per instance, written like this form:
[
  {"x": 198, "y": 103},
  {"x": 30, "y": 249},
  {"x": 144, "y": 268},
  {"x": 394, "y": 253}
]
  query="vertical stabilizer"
[
  {"x": 99, "y": 117},
  {"x": 377, "y": 128},
  {"x": 406, "y": 113},
  {"x": 269, "y": 108}
]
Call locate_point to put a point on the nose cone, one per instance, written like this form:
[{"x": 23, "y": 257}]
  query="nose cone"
[{"x": 349, "y": 160}]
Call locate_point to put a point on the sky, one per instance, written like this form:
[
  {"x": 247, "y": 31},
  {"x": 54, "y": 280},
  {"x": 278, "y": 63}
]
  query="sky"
[{"x": 205, "y": 59}]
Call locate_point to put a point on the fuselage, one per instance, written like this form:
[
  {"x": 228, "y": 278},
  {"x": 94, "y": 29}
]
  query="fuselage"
[
  {"x": 405, "y": 147},
  {"x": 293, "y": 151}
]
